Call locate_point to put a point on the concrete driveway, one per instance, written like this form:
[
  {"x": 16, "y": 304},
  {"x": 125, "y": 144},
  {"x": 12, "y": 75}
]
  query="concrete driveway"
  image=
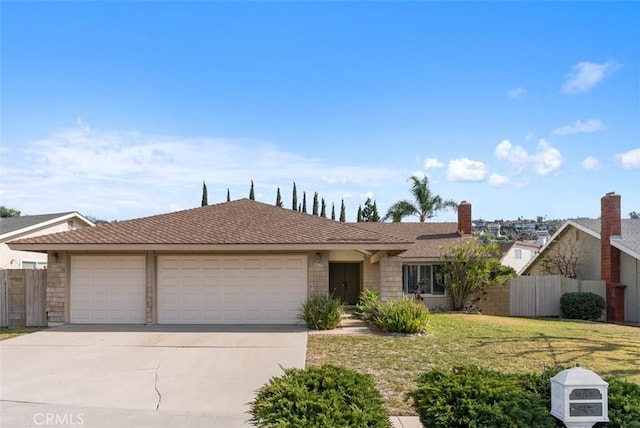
[{"x": 141, "y": 376}]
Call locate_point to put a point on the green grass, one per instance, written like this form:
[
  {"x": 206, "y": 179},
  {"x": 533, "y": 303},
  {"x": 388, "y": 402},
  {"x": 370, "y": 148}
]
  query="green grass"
[
  {"x": 8, "y": 333},
  {"x": 515, "y": 345}
]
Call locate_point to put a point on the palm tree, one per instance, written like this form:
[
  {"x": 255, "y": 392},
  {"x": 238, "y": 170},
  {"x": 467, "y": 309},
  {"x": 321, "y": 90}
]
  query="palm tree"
[{"x": 425, "y": 205}]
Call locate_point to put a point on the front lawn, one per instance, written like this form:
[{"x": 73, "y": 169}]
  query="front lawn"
[
  {"x": 8, "y": 333},
  {"x": 499, "y": 343}
]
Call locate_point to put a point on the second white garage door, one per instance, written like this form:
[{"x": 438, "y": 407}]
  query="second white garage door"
[{"x": 225, "y": 289}]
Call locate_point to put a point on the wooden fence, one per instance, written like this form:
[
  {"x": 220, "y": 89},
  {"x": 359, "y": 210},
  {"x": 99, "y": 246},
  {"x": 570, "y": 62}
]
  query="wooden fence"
[
  {"x": 535, "y": 296},
  {"x": 23, "y": 297}
]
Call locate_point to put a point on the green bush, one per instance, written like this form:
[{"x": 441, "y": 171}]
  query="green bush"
[
  {"x": 402, "y": 315},
  {"x": 624, "y": 404},
  {"x": 322, "y": 312},
  {"x": 325, "y": 396},
  {"x": 367, "y": 307},
  {"x": 582, "y": 306},
  {"x": 471, "y": 397}
]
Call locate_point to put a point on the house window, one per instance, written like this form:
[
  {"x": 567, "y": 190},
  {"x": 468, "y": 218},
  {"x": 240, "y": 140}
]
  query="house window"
[
  {"x": 33, "y": 265},
  {"x": 518, "y": 254},
  {"x": 427, "y": 279}
]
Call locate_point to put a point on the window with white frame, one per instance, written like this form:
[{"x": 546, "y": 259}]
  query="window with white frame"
[
  {"x": 518, "y": 253},
  {"x": 426, "y": 279},
  {"x": 32, "y": 264}
]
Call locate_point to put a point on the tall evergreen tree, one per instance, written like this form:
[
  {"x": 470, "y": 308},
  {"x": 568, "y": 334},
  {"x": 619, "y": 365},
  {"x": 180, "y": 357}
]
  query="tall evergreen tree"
[
  {"x": 278, "y": 199},
  {"x": 359, "y": 217},
  {"x": 228, "y": 196},
  {"x": 300, "y": 207},
  {"x": 205, "y": 200},
  {"x": 343, "y": 213},
  {"x": 323, "y": 209},
  {"x": 304, "y": 202},
  {"x": 333, "y": 211},
  {"x": 315, "y": 204},
  {"x": 294, "y": 201},
  {"x": 252, "y": 195},
  {"x": 370, "y": 211}
]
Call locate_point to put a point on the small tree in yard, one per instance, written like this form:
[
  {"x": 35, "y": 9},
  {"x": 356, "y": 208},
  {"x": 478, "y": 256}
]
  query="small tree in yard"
[
  {"x": 563, "y": 258},
  {"x": 470, "y": 269}
]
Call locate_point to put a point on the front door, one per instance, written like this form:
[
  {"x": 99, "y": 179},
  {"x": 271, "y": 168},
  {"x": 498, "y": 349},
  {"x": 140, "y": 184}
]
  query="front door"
[{"x": 344, "y": 281}]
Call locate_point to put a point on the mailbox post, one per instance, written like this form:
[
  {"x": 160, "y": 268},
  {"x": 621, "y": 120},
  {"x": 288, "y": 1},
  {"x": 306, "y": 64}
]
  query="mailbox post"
[{"x": 579, "y": 398}]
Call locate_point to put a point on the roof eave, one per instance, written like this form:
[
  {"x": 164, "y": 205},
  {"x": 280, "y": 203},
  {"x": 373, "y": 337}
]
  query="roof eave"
[{"x": 363, "y": 246}]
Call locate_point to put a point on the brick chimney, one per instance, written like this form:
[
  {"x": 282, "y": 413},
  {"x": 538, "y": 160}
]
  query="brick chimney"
[
  {"x": 611, "y": 225},
  {"x": 464, "y": 218}
]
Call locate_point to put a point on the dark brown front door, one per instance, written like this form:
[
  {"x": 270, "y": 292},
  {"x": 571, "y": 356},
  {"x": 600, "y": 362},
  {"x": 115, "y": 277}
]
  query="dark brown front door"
[{"x": 344, "y": 281}]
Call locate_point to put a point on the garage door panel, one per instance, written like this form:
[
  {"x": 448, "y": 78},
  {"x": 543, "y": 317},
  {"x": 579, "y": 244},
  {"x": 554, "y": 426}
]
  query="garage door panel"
[
  {"x": 108, "y": 290},
  {"x": 228, "y": 289}
]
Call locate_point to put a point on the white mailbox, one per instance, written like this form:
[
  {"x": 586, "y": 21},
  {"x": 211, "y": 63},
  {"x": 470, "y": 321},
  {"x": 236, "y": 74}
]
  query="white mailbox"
[{"x": 579, "y": 398}]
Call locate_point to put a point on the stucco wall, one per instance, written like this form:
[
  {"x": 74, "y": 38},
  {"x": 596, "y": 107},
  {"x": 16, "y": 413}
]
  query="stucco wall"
[
  {"x": 630, "y": 276},
  {"x": 318, "y": 274},
  {"x": 11, "y": 259},
  {"x": 588, "y": 249},
  {"x": 390, "y": 277}
]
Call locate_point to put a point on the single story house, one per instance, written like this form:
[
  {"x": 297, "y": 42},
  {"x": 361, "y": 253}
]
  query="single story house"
[
  {"x": 28, "y": 226},
  {"x": 239, "y": 262},
  {"x": 607, "y": 248}
]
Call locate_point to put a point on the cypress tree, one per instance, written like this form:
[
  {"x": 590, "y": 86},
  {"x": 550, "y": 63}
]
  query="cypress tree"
[
  {"x": 252, "y": 196},
  {"x": 299, "y": 207},
  {"x": 228, "y": 196},
  {"x": 343, "y": 213},
  {"x": 374, "y": 213},
  {"x": 315, "y": 203},
  {"x": 323, "y": 209},
  {"x": 205, "y": 200},
  {"x": 333, "y": 211},
  {"x": 370, "y": 211},
  {"x": 278, "y": 199},
  {"x": 294, "y": 203},
  {"x": 359, "y": 216},
  {"x": 304, "y": 202}
]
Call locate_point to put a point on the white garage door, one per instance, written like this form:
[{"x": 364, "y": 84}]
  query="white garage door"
[
  {"x": 108, "y": 290},
  {"x": 225, "y": 289}
]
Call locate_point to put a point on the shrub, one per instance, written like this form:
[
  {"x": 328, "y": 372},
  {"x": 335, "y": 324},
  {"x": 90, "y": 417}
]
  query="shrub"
[
  {"x": 402, "y": 315},
  {"x": 472, "y": 397},
  {"x": 367, "y": 307},
  {"x": 322, "y": 312},
  {"x": 624, "y": 404},
  {"x": 325, "y": 396},
  {"x": 583, "y": 306}
]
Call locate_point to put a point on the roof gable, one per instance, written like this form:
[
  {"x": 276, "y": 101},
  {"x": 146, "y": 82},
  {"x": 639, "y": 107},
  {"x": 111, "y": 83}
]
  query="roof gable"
[
  {"x": 240, "y": 222},
  {"x": 15, "y": 226}
]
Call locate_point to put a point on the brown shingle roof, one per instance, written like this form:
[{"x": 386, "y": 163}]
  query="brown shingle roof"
[
  {"x": 233, "y": 223},
  {"x": 429, "y": 238}
]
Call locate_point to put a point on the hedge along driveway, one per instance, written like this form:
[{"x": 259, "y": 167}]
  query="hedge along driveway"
[{"x": 516, "y": 345}]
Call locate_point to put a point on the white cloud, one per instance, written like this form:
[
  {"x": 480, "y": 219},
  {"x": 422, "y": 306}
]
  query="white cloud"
[
  {"x": 419, "y": 174},
  {"x": 585, "y": 75},
  {"x": 630, "y": 159},
  {"x": 498, "y": 180},
  {"x": 125, "y": 174},
  {"x": 517, "y": 156},
  {"x": 368, "y": 195},
  {"x": 465, "y": 169},
  {"x": 590, "y": 163},
  {"x": 433, "y": 163},
  {"x": 516, "y": 93},
  {"x": 546, "y": 161},
  {"x": 579, "y": 127}
]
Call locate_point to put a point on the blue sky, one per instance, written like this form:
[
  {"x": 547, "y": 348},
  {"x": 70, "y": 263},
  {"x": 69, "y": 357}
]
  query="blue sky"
[{"x": 121, "y": 109}]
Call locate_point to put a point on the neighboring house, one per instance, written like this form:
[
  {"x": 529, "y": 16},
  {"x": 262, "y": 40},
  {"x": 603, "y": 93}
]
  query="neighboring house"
[
  {"x": 240, "y": 262},
  {"x": 605, "y": 249},
  {"x": 28, "y": 226},
  {"x": 518, "y": 253}
]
